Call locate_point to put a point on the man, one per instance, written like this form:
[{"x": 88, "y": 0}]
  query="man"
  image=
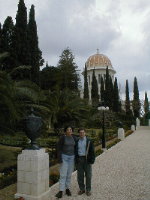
[{"x": 85, "y": 156}]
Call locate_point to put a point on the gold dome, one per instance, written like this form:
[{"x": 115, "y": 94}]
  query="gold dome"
[{"x": 98, "y": 60}]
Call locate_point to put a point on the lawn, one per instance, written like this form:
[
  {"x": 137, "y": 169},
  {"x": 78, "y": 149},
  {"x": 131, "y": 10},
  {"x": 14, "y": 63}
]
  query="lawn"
[
  {"x": 8, "y": 156},
  {"x": 8, "y": 192}
]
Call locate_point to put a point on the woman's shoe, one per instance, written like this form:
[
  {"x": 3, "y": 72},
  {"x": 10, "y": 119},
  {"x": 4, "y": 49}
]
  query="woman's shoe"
[
  {"x": 68, "y": 192},
  {"x": 59, "y": 194}
]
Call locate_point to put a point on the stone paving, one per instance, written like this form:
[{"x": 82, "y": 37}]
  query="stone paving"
[{"x": 120, "y": 173}]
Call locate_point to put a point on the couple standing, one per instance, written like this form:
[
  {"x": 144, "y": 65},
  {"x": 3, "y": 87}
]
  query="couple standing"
[{"x": 79, "y": 151}]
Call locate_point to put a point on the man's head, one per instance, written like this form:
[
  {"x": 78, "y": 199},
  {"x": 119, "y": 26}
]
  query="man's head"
[{"x": 81, "y": 132}]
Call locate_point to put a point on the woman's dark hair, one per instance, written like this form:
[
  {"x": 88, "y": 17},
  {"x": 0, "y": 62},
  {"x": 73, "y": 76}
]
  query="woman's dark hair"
[{"x": 68, "y": 127}]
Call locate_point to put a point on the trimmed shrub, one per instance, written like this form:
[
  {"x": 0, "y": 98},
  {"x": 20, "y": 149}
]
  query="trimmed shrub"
[
  {"x": 113, "y": 143},
  {"x": 98, "y": 152},
  {"x": 15, "y": 141}
]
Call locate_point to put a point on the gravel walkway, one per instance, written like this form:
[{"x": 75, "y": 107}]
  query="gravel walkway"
[{"x": 120, "y": 173}]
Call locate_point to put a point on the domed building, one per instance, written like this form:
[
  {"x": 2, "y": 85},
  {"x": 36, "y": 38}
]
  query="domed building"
[{"x": 99, "y": 62}]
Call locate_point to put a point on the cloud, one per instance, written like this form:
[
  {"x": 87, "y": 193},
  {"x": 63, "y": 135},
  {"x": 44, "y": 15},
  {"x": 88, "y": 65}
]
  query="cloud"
[
  {"x": 139, "y": 5},
  {"x": 76, "y": 26}
]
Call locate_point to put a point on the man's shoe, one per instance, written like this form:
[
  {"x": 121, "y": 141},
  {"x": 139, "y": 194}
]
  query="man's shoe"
[
  {"x": 68, "y": 192},
  {"x": 81, "y": 192},
  {"x": 59, "y": 194},
  {"x": 88, "y": 193}
]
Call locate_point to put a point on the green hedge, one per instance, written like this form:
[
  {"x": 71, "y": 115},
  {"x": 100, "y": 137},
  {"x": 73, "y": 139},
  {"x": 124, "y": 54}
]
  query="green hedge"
[
  {"x": 113, "y": 143},
  {"x": 98, "y": 152},
  {"x": 23, "y": 141},
  {"x": 14, "y": 141},
  {"x": 129, "y": 132}
]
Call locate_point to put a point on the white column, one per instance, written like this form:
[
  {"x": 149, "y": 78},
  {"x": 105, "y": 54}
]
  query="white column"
[
  {"x": 121, "y": 134},
  {"x": 148, "y": 122},
  {"x": 133, "y": 127},
  {"x": 137, "y": 122},
  {"x": 33, "y": 175}
]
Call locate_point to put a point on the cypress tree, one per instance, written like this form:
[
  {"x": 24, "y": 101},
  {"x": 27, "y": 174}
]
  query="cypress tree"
[
  {"x": 35, "y": 54},
  {"x": 7, "y": 43},
  {"x": 102, "y": 91},
  {"x": 69, "y": 77},
  {"x": 1, "y": 51},
  {"x": 7, "y": 34},
  {"x": 116, "y": 102},
  {"x": 146, "y": 104},
  {"x": 108, "y": 91},
  {"x": 94, "y": 90},
  {"x": 1, "y": 38},
  {"x": 128, "y": 110},
  {"x": 20, "y": 35},
  {"x": 111, "y": 89},
  {"x": 136, "y": 101},
  {"x": 86, "y": 89},
  {"x": 127, "y": 100}
]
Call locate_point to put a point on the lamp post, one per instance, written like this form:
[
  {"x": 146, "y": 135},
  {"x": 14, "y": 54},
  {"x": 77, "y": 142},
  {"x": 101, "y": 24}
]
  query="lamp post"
[{"x": 103, "y": 109}]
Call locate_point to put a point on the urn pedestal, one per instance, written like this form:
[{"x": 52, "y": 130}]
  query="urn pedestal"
[{"x": 33, "y": 175}]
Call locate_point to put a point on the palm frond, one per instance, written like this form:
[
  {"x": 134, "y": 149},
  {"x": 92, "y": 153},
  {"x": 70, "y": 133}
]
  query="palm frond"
[{"x": 20, "y": 68}]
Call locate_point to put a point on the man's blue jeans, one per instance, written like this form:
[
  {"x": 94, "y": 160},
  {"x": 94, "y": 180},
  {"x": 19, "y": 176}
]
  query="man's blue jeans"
[{"x": 66, "y": 169}]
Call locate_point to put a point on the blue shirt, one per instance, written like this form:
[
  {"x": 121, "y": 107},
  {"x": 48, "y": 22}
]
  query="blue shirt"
[{"x": 82, "y": 146}]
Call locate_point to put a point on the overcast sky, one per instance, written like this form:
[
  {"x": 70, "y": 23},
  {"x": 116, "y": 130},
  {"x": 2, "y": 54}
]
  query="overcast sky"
[{"x": 119, "y": 28}]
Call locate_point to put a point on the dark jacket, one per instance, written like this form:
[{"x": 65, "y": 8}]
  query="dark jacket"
[
  {"x": 60, "y": 146},
  {"x": 90, "y": 152}
]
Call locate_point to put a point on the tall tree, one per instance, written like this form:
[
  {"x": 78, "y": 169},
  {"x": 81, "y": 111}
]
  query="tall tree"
[
  {"x": 108, "y": 91},
  {"x": 35, "y": 59},
  {"x": 116, "y": 100},
  {"x": 7, "y": 43},
  {"x": 127, "y": 100},
  {"x": 0, "y": 38},
  {"x": 7, "y": 34},
  {"x": 146, "y": 104},
  {"x": 86, "y": 89},
  {"x": 111, "y": 89},
  {"x": 69, "y": 78},
  {"x": 136, "y": 101},
  {"x": 102, "y": 90},
  {"x": 94, "y": 90},
  {"x": 49, "y": 78},
  {"x": 20, "y": 35}
]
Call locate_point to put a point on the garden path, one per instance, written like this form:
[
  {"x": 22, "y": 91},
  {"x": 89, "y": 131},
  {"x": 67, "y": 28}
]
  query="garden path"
[{"x": 120, "y": 173}]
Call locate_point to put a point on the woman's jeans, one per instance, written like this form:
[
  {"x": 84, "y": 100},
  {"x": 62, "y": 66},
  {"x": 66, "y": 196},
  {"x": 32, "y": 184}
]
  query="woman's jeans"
[{"x": 66, "y": 169}]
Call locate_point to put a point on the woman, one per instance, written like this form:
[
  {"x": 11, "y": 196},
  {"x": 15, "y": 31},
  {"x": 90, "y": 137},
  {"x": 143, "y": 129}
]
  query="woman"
[{"x": 66, "y": 156}]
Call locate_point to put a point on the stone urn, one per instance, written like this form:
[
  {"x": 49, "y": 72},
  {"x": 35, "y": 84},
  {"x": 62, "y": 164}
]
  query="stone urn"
[{"x": 32, "y": 128}]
